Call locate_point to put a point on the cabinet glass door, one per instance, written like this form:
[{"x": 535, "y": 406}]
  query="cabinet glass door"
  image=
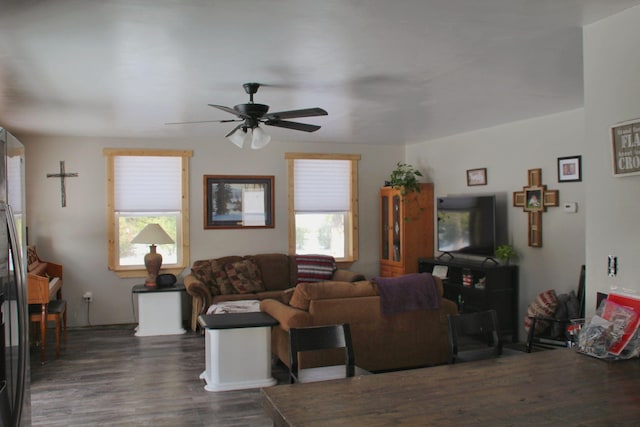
[
  {"x": 397, "y": 216},
  {"x": 384, "y": 223}
]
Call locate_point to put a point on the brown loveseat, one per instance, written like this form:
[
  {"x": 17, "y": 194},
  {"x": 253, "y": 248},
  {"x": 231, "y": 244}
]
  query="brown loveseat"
[
  {"x": 381, "y": 342},
  {"x": 209, "y": 282}
]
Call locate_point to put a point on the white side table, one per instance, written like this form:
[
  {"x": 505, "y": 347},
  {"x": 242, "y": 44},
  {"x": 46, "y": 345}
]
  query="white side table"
[
  {"x": 237, "y": 350},
  {"x": 159, "y": 310}
]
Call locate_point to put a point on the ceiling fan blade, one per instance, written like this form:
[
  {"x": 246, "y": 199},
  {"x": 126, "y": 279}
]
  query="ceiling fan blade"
[
  {"x": 234, "y": 130},
  {"x": 229, "y": 110},
  {"x": 306, "y": 112},
  {"x": 204, "y": 121},
  {"x": 292, "y": 125}
]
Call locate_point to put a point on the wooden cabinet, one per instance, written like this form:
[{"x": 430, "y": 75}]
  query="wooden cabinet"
[
  {"x": 479, "y": 286},
  {"x": 406, "y": 229}
]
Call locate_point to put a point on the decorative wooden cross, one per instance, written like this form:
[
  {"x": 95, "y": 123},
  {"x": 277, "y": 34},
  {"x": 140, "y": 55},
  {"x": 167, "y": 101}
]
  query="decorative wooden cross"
[
  {"x": 62, "y": 175},
  {"x": 534, "y": 199}
]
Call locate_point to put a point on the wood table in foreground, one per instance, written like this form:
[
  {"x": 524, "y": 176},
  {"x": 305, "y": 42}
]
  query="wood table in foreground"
[{"x": 555, "y": 387}]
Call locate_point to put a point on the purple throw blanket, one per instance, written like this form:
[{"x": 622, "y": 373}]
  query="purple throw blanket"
[{"x": 407, "y": 293}]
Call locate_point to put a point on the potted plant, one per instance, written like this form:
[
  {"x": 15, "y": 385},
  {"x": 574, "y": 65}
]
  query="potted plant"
[
  {"x": 405, "y": 177},
  {"x": 505, "y": 253}
]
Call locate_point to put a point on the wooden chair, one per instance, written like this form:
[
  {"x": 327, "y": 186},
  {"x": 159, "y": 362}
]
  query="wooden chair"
[
  {"x": 316, "y": 338},
  {"x": 56, "y": 312},
  {"x": 474, "y": 336}
]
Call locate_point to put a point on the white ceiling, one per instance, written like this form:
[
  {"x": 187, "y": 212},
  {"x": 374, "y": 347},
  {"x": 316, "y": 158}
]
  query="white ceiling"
[{"x": 388, "y": 72}]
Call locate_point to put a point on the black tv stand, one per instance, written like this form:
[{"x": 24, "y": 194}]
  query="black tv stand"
[
  {"x": 489, "y": 259},
  {"x": 446, "y": 253},
  {"x": 487, "y": 286}
]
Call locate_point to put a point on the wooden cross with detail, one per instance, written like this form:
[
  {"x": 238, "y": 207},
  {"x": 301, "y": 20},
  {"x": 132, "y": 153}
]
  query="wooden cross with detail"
[
  {"x": 534, "y": 199},
  {"x": 62, "y": 175}
]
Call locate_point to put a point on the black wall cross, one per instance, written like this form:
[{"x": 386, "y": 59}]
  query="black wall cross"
[{"x": 62, "y": 175}]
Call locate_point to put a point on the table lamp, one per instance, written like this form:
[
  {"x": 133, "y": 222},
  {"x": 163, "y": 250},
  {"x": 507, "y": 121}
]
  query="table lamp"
[{"x": 152, "y": 234}]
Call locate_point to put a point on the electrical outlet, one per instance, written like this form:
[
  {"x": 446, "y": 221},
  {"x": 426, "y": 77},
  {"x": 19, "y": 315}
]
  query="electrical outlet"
[
  {"x": 88, "y": 297},
  {"x": 612, "y": 265}
]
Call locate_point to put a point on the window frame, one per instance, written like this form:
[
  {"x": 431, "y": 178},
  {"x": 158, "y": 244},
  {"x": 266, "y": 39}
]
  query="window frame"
[
  {"x": 112, "y": 217},
  {"x": 352, "y": 237}
]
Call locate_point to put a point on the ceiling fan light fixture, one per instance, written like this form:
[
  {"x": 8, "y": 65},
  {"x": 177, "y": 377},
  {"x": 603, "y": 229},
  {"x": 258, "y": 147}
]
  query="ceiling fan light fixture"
[
  {"x": 259, "y": 138},
  {"x": 238, "y": 137}
]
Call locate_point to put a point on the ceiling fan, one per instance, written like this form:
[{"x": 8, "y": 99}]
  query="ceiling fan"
[{"x": 252, "y": 114}]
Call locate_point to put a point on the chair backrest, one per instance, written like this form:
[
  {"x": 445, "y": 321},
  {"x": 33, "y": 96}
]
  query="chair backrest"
[
  {"x": 475, "y": 334},
  {"x": 316, "y": 338}
]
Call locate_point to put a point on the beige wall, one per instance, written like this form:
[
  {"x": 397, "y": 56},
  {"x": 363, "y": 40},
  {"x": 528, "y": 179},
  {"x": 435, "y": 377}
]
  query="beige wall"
[
  {"x": 76, "y": 235},
  {"x": 508, "y": 152},
  {"x": 611, "y": 64}
]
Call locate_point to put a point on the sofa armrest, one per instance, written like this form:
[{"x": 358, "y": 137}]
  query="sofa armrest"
[
  {"x": 200, "y": 298},
  {"x": 198, "y": 290},
  {"x": 289, "y": 317},
  {"x": 342, "y": 275}
]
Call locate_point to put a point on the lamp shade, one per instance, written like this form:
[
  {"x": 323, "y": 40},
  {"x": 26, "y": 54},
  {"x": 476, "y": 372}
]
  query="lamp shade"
[
  {"x": 153, "y": 234},
  {"x": 259, "y": 139},
  {"x": 238, "y": 137}
]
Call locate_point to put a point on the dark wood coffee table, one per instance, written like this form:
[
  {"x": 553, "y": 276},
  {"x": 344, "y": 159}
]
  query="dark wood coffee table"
[
  {"x": 237, "y": 350},
  {"x": 555, "y": 387}
]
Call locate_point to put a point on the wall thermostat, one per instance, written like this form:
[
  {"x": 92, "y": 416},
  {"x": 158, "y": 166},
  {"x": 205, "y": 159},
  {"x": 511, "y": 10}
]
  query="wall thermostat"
[{"x": 570, "y": 207}]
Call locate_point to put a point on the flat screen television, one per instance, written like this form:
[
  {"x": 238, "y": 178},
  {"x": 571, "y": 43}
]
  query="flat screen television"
[{"x": 467, "y": 225}]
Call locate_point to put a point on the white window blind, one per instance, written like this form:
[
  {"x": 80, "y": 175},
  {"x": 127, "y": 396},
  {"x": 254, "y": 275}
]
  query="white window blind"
[
  {"x": 147, "y": 183},
  {"x": 322, "y": 185}
]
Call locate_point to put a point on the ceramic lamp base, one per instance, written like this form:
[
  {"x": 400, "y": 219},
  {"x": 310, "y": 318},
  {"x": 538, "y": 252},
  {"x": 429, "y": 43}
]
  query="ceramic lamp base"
[{"x": 152, "y": 262}]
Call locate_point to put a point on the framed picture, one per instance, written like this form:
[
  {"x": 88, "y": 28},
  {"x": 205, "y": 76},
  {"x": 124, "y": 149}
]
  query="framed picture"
[
  {"x": 533, "y": 201},
  {"x": 570, "y": 169},
  {"x": 237, "y": 201},
  {"x": 625, "y": 148},
  {"x": 476, "y": 177}
]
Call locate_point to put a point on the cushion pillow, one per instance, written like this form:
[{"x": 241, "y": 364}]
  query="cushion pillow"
[
  {"x": 305, "y": 292},
  {"x": 315, "y": 268},
  {"x": 222, "y": 279},
  {"x": 244, "y": 276},
  {"x": 543, "y": 306},
  {"x": 203, "y": 272}
]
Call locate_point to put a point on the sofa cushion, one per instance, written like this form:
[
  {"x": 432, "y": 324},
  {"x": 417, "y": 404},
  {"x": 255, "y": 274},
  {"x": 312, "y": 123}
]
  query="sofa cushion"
[
  {"x": 543, "y": 306},
  {"x": 315, "y": 268},
  {"x": 275, "y": 270},
  {"x": 305, "y": 292},
  {"x": 244, "y": 276},
  {"x": 203, "y": 271}
]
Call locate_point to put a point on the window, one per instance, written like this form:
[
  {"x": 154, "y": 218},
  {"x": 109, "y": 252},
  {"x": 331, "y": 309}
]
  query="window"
[
  {"x": 147, "y": 186},
  {"x": 323, "y": 208}
]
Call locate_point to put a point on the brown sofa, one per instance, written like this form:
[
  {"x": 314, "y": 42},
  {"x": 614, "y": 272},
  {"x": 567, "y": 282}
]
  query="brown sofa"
[
  {"x": 207, "y": 283},
  {"x": 381, "y": 342}
]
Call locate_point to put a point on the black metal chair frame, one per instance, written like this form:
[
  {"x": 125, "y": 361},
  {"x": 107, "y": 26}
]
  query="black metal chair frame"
[
  {"x": 320, "y": 338},
  {"x": 546, "y": 340},
  {"x": 482, "y": 328}
]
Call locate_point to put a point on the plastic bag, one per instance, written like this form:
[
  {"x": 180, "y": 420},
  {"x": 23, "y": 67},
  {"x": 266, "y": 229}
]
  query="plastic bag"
[{"x": 612, "y": 333}]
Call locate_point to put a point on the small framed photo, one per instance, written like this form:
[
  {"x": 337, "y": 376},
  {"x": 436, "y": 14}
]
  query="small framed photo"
[
  {"x": 476, "y": 177},
  {"x": 570, "y": 169}
]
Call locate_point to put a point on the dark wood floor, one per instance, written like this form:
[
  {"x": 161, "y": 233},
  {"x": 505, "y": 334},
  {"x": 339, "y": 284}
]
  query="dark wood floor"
[{"x": 108, "y": 376}]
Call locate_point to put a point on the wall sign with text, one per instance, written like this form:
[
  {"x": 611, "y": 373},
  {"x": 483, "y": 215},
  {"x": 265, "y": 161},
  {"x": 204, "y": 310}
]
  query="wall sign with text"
[{"x": 625, "y": 144}]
